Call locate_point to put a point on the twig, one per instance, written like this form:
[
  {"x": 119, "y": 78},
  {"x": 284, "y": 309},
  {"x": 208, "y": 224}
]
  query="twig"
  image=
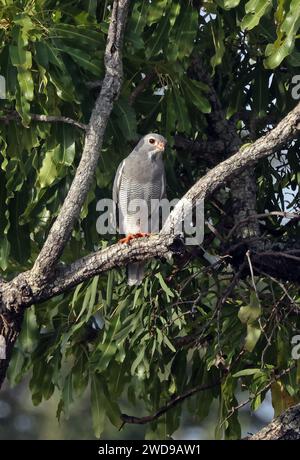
[
  {"x": 289, "y": 215},
  {"x": 191, "y": 340},
  {"x": 266, "y": 388},
  {"x": 131, "y": 419},
  {"x": 214, "y": 230},
  {"x": 170, "y": 404},
  {"x": 13, "y": 115},
  {"x": 279, "y": 253},
  {"x": 293, "y": 302},
  {"x": 94, "y": 84},
  {"x": 141, "y": 87},
  {"x": 252, "y": 274}
]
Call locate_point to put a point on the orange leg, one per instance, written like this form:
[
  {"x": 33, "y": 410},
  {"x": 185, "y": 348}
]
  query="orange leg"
[
  {"x": 127, "y": 239},
  {"x": 141, "y": 235},
  {"x": 132, "y": 236}
]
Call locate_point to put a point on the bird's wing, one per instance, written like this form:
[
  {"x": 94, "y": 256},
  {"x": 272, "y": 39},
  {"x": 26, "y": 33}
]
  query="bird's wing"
[
  {"x": 163, "y": 193},
  {"x": 115, "y": 191},
  {"x": 157, "y": 216}
]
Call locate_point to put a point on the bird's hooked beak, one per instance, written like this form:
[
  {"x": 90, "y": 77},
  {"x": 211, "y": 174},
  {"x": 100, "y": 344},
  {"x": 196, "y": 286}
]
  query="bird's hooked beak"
[{"x": 161, "y": 145}]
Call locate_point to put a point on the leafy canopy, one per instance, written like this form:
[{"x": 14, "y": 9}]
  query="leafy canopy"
[{"x": 124, "y": 343}]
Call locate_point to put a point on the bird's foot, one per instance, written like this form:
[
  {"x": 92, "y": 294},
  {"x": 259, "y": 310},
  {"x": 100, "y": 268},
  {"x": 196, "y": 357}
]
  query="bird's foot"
[
  {"x": 126, "y": 239},
  {"x": 132, "y": 236},
  {"x": 141, "y": 235}
]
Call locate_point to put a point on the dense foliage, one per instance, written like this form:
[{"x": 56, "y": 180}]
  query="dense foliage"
[{"x": 189, "y": 323}]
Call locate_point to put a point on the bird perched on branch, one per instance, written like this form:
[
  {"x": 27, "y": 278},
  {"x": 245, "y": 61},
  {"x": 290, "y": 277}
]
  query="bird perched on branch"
[{"x": 140, "y": 179}]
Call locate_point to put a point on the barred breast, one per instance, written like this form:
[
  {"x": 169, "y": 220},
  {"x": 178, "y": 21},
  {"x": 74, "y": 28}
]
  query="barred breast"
[{"x": 135, "y": 203}]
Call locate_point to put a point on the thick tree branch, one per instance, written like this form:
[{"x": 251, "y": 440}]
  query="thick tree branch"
[
  {"x": 141, "y": 86},
  {"x": 18, "y": 293},
  {"x": 284, "y": 427},
  {"x": 66, "y": 277},
  {"x": 62, "y": 227},
  {"x": 22, "y": 291},
  {"x": 287, "y": 129},
  {"x": 144, "y": 249},
  {"x": 243, "y": 187}
]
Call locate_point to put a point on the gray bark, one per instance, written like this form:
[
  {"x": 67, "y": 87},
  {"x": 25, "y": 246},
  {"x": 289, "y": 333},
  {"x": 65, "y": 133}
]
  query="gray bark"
[
  {"x": 284, "y": 427},
  {"x": 47, "y": 279},
  {"x": 223, "y": 135},
  {"x": 70, "y": 210},
  {"x": 24, "y": 290}
]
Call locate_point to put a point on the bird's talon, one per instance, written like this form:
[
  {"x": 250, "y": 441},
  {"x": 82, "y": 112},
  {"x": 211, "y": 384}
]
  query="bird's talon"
[
  {"x": 126, "y": 239},
  {"x": 132, "y": 236},
  {"x": 141, "y": 235}
]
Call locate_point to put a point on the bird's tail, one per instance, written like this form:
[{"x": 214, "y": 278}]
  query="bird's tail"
[{"x": 135, "y": 273}]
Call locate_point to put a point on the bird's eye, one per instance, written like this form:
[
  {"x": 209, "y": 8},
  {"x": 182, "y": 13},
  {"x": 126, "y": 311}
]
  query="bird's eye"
[{"x": 152, "y": 141}]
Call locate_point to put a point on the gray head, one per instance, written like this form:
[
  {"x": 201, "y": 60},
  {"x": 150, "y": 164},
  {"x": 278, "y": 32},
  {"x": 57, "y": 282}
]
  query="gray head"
[{"x": 151, "y": 144}]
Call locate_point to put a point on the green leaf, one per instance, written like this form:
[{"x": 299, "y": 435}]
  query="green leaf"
[
  {"x": 97, "y": 406},
  {"x": 67, "y": 145},
  {"x": 126, "y": 119},
  {"x": 20, "y": 57},
  {"x": 183, "y": 124},
  {"x": 156, "y": 11},
  {"x": 139, "y": 358},
  {"x": 48, "y": 172},
  {"x": 294, "y": 59},
  {"x": 166, "y": 289},
  {"x": 255, "y": 9},
  {"x": 109, "y": 289},
  {"x": 158, "y": 40},
  {"x": 29, "y": 333},
  {"x": 79, "y": 35},
  {"x": 103, "y": 405},
  {"x": 286, "y": 34},
  {"x": 281, "y": 399},
  {"x": 80, "y": 373},
  {"x": 169, "y": 344},
  {"x": 4, "y": 252},
  {"x": 82, "y": 59},
  {"x": 107, "y": 349},
  {"x": 252, "y": 337},
  {"x": 231, "y": 3},
  {"x": 260, "y": 92},
  {"x": 41, "y": 385},
  {"x": 256, "y": 402},
  {"x": 218, "y": 39},
  {"x": 41, "y": 54},
  {"x": 26, "y": 84},
  {"x": 93, "y": 292},
  {"x": 194, "y": 94},
  {"x": 252, "y": 312},
  {"x": 184, "y": 32},
  {"x": 169, "y": 117},
  {"x": 14, "y": 373},
  {"x": 228, "y": 4},
  {"x": 246, "y": 372},
  {"x": 67, "y": 395},
  {"x": 138, "y": 17}
]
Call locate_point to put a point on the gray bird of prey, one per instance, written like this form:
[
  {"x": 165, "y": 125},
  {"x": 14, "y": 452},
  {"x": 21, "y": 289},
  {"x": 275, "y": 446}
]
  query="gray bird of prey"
[{"x": 140, "y": 176}]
